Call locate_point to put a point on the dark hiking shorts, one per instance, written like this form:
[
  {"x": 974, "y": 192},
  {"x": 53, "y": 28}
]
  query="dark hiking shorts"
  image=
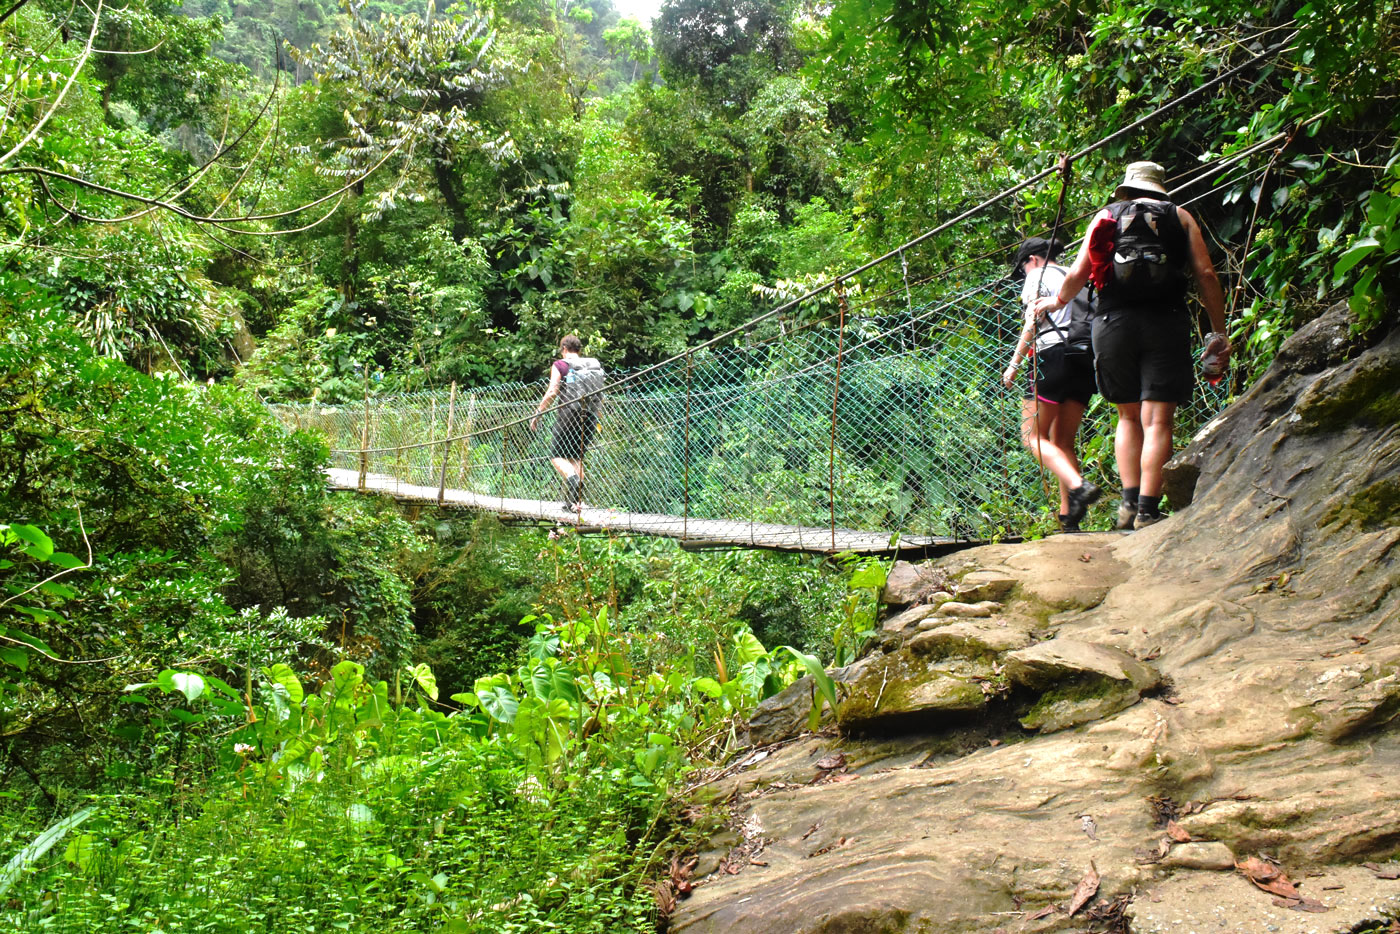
[
  {"x": 573, "y": 433},
  {"x": 1060, "y": 376},
  {"x": 1144, "y": 356}
]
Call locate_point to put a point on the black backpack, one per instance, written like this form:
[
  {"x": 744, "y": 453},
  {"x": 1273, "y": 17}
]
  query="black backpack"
[
  {"x": 1148, "y": 252},
  {"x": 583, "y": 386},
  {"x": 1078, "y": 337}
]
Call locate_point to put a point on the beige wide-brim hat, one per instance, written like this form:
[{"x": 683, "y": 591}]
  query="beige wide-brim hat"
[{"x": 1142, "y": 178}]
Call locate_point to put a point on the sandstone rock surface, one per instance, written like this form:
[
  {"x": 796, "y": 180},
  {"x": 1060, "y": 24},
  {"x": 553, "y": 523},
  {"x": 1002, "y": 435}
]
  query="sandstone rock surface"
[{"x": 1270, "y": 606}]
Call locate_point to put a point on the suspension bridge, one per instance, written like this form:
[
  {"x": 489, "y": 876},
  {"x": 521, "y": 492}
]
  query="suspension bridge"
[
  {"x": 828, "y": 436},
  {"x": 866, "y": 433},
  {"x": 864, "y": 416}
]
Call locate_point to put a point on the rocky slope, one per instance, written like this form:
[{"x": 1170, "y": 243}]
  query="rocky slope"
[{"x": 1090, "y": 732}]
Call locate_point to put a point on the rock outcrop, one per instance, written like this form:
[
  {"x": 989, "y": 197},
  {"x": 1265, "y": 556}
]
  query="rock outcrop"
[{"x": 1154, "y": 707}]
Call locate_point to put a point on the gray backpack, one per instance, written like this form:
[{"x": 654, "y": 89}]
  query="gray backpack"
[{"x": 583, "y": 386}]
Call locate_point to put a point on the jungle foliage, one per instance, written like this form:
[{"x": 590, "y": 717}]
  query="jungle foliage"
[{"x": 231, "y": 699}]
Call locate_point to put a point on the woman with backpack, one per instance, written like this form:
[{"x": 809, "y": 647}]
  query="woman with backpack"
[
  {"x": 577, "y": 381},
  {"x": 1063, "y": 381}
]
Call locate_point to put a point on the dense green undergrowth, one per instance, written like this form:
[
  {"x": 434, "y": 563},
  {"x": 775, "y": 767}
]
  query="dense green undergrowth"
[{"x": 232, "y": 700}]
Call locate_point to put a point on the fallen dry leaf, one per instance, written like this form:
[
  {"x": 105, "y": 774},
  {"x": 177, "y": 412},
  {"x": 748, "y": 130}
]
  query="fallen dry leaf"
[
  {"x": 1045, "y": 912},
  {"x": 833, "y": 761},
  {"x": 681, "y": 870},
  {"x": 1360, "y": 640},
  {"x": 1086, "y": 557},
  {"x": 811, "y": 830},
  {"x": 1388, "y": 871},
  {"x": 1301, "y": 904},
  {"x": 844, "y": 777},
  {"x": 1087, "y": 888},
  {"x": 757, "y": 862},
  {"x": 665, "y": 901},
  {"x": 1268, "y": 877},
  {"x": 1178, "y": 832}
]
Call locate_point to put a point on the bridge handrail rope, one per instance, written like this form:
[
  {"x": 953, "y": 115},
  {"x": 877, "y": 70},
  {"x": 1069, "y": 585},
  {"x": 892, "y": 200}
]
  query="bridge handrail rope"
[{"x": 897, "y": 251}]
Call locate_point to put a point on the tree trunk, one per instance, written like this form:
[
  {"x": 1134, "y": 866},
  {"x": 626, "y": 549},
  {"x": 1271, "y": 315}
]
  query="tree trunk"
[{"x": 447, "y": 187}]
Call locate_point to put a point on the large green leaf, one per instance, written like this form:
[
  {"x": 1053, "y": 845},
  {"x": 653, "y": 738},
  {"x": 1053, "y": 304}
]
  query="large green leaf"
[
  {"x": 187, "y": 683},
  {"x": 345, "y": 677},
  {"x": 823, "y": 681},
  {"x": 282, "y": 674},
  {"x": 499, "y": 703},
  {"x": 747, "y": 648},
  {"x": 40, "y": 545},
  {"x": 549, "y": 680},
  {"x": 1355, "y": 253},
  {"x": 422, "y": 676}
]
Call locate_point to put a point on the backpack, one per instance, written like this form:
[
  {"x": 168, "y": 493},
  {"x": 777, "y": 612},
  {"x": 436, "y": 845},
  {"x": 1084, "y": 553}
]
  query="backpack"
[
  {"x": 583, "y": 386},
  {"x": 1078, "y": 336},
  {"x": 1148, "y": 252}
]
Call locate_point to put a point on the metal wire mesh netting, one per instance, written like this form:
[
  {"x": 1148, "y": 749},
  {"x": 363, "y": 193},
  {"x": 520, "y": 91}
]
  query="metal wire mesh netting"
[{"x": 856, "y": 434}]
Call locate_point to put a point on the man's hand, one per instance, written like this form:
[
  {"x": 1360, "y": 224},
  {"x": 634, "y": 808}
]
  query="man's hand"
[
  {"x": 1008, "y": 379},
  {"x": 1218, "y": 344},
  {"x": 535, "y": 423},
  {"x": 1043, "y": 306}
]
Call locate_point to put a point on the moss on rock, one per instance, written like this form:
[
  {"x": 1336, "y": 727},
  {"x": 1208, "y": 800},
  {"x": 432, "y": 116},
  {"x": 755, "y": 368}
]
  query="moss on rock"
[{"x": 1078, "y": 701}]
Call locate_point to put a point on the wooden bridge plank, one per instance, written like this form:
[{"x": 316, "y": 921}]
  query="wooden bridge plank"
[{"x": 698, "y": 531}]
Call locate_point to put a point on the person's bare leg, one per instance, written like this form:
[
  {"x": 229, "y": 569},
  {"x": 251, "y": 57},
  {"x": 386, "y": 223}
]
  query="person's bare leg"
[
  {"x": 1157, "y": 423},
  {"x": 1062, "y": 433},
  {"x": 565, "y": 467},
  {"x": 1037, "y": 429},
  {"x": 1127, "y": 444}
]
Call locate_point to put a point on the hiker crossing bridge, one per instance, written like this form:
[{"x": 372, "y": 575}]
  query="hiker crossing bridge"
[{"x": 864, "y": 416}]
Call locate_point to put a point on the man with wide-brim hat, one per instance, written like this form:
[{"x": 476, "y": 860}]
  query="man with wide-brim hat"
[
  {"x": 1139, "y": 251},
  {"x": 1142, "y": 180}
]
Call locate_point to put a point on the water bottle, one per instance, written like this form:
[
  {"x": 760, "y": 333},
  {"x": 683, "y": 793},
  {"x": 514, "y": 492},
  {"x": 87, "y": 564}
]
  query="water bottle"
[{"x": 1213, "y": 360}]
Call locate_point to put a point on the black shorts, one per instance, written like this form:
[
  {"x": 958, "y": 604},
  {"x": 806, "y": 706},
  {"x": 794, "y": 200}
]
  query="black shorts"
[
  {"x": 1144, "y": 356},
  {"x": 573, "y": 433},
  {"x": 1060, "y": 376}
]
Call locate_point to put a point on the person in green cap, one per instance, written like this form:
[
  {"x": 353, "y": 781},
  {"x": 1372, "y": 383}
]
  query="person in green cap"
[{"x": 1138, "y": 253}]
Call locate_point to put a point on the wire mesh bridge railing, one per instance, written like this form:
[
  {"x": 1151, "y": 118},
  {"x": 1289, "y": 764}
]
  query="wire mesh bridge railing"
[{"x": 862, "y": 433}]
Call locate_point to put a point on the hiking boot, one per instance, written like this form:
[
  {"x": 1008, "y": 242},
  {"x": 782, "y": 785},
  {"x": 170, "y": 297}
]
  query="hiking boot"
[
  {"x": 573, "y": 492},
  {"x": 1065, "y": 524},
  {"x": 1080, "y": 498},
  {"x": 1127, "y": 513},
  {"x": 1142, "y": 520}
]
